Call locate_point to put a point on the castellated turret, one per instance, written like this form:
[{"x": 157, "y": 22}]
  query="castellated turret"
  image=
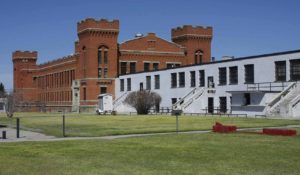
[
  {"x": 97, "y": 47},
  {"x": 90, "y": 24},
  {"x": 196, "y": 40},
  {"x": 24, "y": 64}
]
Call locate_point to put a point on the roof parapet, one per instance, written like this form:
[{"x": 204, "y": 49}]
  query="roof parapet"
[
  {"x": 192, "y": 30},
  {"x": 102, "y": 24},
  {"x": 24, "y": 54}
]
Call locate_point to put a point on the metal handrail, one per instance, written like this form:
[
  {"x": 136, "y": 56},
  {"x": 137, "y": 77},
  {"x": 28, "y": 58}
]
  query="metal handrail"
[
  {"x": 283, "y": 93},
  {"x": 182, "y": 99}
]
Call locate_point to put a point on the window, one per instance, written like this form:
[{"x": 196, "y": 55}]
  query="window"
[
  {"x": 128, "y": 84},
  {"x": 146, "y": 67},
  {"x": 201, "y": 78},
  {"x": 198, "y": 57},
  {"x": 193, "y": 78},
  {"x": 84, "y": 93},
  {"x": 174, "y": 100},
  {"x": 280, "y": 71},
  {"x": 156, "y": 82},
  {"x": 99, "y": 72},
  {"x": 100, "y": 55},
  {"x": 155, "y": 66},
  {"x": 141, "y": 86},
  {"x": 223, "y": 104},
  {"x": 247, "y": 99},
  {"x": 148, "y": 82},
  {"x": 233, "y": 75},
  {"x": 123, "y": 68},
  {"x": 181, "y": 79},
  {"x": 222, "y": 76},
  {"x": 295, "y": 70},
  {"x": 171, "y": 65},
  {"x": 105, "y": 56},
  {"x": 121, "y": 85},
  {"x": 105, "y": 72},
  {"x": 103, "y": 90},
  {"x": 249, "y": 74},
  {"x": 173, "y": 80},
  {"x": 132, "y": 67}
]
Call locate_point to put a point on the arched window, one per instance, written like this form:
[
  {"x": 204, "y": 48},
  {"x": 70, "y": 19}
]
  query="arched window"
[
  {"x": 102, "y": 54},
  {"x": 198, "y": 57}
]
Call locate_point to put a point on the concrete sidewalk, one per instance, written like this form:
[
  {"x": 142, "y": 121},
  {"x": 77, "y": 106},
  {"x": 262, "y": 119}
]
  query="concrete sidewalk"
[
  {"x": 11, "y": 135},
  {"x": 26, "y": 136}
]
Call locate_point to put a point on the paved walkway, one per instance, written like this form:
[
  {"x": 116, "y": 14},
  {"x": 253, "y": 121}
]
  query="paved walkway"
[{"x": 26, "y": 136}]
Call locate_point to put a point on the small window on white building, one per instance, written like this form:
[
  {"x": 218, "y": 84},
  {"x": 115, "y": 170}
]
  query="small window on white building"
[
  {"x": 249, "y": 74},
  {"x": 181, "y": 79},
  {"x": 173, "y": 80},
  {"x": 148, "y": 82},
  {"x": 173, "y": 100},
  {"x": 121, "y": 85},
  {"x": 222, "y": 76},
  {"x": 201, "y": 78},
  {"x": 233, "y": 75},
  {"x": 280, "y": 71},
  {"x": 295, "y": 70},
  {"x": 156, "y": 82},
  {"x": 193, "y": 78},
  {"x": 128, "y": 84}
]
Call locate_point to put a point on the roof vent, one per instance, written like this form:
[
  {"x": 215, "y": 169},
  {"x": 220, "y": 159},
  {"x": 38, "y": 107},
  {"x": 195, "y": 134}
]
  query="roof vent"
[
  {"x": 139, "y": 35},
  {"x": 227, "y": 57}
]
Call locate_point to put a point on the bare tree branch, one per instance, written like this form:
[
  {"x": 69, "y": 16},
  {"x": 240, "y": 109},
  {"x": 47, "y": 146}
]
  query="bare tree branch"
[{"x": 143, "y": 101}]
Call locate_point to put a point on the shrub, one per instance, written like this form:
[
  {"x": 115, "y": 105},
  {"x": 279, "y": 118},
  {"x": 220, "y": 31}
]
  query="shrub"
[{"x": 143, "y": 100}]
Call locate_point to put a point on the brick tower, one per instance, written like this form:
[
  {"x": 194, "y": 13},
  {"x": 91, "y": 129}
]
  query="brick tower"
[
  {"x": 197, "y": 42},
  {"x": 24, "y": 64},
  {"x": 98, "y": 58}
]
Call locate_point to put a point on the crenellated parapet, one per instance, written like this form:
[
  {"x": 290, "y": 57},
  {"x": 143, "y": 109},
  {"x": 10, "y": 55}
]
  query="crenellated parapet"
[
  {"x": 62, "y": 60},
  {"x": 24, "y": 55},
  {"x": 192, "y": 31},
  {"x": 91, "y": 24}
]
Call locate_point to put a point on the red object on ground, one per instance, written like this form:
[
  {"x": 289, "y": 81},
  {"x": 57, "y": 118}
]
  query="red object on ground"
[
  {"x": 218, "y": 127},
  {"x": 281, "y": 132}
]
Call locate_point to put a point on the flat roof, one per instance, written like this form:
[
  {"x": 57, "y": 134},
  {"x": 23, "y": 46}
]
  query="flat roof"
[
  {"x": 223, "y": 61},
  {"x": 251, "y": 92}
]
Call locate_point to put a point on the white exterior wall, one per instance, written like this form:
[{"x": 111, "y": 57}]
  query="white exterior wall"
[{"x": 264, "y": 71}]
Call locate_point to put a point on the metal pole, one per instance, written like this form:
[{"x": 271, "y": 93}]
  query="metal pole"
[
  {"x": 18, "y": 127},
  {"x": 177, "y": 123},
  {"x": 64, "y": 128}
]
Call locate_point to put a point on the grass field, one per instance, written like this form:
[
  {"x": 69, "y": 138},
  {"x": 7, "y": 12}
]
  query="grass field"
[
  {"x": 173, "y": 154},
  {"x": 93, "y": 125}
]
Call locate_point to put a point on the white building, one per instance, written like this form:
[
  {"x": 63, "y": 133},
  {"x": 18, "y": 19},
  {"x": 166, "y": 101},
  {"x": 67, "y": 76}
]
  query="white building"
[{"x": 256, "y": 85}]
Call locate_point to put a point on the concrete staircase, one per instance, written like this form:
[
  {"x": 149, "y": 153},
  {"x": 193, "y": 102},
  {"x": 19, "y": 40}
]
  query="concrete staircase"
[
  {"x": 283, "y": 103},
  {"x": 188, "y": 99}
]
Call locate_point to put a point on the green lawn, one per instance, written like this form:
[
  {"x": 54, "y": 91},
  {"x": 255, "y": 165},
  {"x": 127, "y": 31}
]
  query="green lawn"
[
  {"x": 94, "y": 125},
  {"x": 173, "y": 154}
]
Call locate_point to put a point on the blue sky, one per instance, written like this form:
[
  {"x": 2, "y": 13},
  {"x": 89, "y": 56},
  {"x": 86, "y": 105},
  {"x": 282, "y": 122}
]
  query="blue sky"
[{"x": 241, "y": 28}]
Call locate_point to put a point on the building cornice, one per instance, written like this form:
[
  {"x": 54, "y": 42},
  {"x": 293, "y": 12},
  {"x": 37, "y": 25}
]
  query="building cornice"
[
  {"x": 150, "y": 52},
  {"x": 98, "y": 30}
]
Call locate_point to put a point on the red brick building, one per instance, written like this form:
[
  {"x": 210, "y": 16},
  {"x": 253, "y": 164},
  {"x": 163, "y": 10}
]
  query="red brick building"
[{"x": 75, "y": 81}]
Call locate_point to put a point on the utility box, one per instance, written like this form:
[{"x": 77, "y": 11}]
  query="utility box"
[{"x": 105, "y": 104}]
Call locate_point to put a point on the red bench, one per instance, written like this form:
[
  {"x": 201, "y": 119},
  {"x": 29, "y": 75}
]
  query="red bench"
[
  {"x": 281, "y": 132},
  {"x": 218, "y": 127}
]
